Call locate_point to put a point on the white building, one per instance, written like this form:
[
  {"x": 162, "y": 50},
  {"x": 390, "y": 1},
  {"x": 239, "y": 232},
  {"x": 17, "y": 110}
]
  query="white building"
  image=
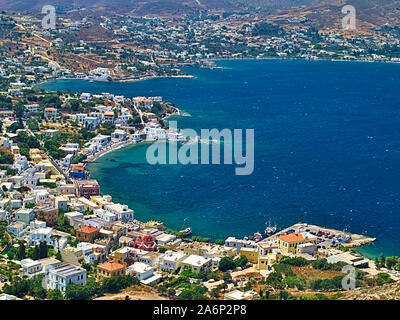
[
  {"x": 20, "y": 163},
  {"x": 60, "y": 277},
  {"x": 67, "y": 160},
  {"x": 154, "y": 132},
  {"x": 87, "y": 251},
  {"x": 73, "y": 215},
  {"x": 61, "y": 202},
  {"x": 17, "y": 229},
  {"x": 171, "y": 260},
  {"x": 232, "y": 242},
  {"x": 31, "y": 108},
  {"x": 42, "y": 197},
  {"x": 85, "y": 96},
  {"x": 25, "y": 215},
  {"x": 80, "y": 117},
  {"x": 119, "y": 135},
  {"x": 50, "y": 114},
  {"x": 4, "y": 296},
  {"x": 144, "y": 273},
  {"x": 175, "y": 136},
  {"x": 239, "y": 295},
  {"x": 124, "y": 117},
  {"x": 197, "y": 263},
  {"x": 39, "y": 235},
  {"x": 165, "y": 238},
  {"x": 71, "y": 148},
  {"x": 101, "y": 140},
  {"x": 122, "y": 211},
  {"x": 30, "y": 268},
  {"x": 4, "y": 216},
  {"x": 106, "y": 215},
  {"x": 51, "y": 133}
]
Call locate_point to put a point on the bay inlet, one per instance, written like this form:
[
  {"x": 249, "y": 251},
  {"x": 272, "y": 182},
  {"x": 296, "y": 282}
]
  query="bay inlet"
[{"x": 327, "y": 150}]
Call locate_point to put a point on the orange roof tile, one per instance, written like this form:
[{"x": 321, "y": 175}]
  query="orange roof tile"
[
  {"x": 88, "y": 229},
  {"x": 111, "y": 266},
  {"x": 293, "y": 237},
  {"x": 76, "y": 167}
]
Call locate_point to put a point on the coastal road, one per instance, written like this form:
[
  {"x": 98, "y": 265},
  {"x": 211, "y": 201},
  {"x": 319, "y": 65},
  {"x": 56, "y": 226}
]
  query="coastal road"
[
  {"x": 140, "y": 114},
  {"x": 59, "y": 169}
]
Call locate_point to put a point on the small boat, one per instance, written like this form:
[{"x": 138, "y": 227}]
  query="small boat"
[
  {"x": 256, "y": 237},
  {"x": 270, "y": 230},
  {"x": 187, "y": 231}
]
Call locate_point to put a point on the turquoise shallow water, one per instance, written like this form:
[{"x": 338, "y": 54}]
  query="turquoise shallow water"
[{"x": 327, "y": 150}]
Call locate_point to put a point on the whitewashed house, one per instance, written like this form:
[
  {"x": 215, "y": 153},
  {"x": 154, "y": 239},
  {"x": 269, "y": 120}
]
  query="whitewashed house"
[
  {"x": 171, "y": 260},
  {"x": 60, "y": 277}
]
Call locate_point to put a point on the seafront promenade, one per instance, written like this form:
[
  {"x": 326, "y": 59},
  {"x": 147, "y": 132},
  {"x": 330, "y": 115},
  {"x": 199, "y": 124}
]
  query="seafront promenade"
[{"x": 110, "y": 148}]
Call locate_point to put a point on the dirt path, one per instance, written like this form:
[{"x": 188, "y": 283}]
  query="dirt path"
[{"x": 134, "y": 293}]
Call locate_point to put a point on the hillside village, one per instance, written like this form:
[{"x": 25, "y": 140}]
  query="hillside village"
[
  {"x": 125, "y": 48},
  {"x": 62, "y": 238}
]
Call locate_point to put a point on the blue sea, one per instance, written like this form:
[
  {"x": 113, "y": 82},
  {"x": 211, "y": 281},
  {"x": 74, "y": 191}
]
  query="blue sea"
[{"x": 327, "y": 150}]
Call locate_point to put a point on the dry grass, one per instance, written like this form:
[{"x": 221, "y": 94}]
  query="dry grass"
[
  {"x": 310, "y": 273},
  {"x": 134, "y": 293}
]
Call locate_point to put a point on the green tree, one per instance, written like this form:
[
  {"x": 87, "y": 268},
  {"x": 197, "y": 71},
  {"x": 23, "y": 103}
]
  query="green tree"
[
  {"x": 6, "y": 158},
  {"x": 21, "y": 251},
  {"x": 117, "y": 283},
  {"x": 382, "y": 261},
  {"x": 274, "y": 279},
  {"x": 214, "y": 293},
  {"x": 75, "y": 105},
  {"x": 284, "y": 295},
  {"x": 19, "y": 110},
  {"x": 226, "y": 263},
  {"x": 241, "y": 261},
  {"x": 78, "y": 292},
  {"x": 383, "y": 278},
  {"x": 43, "y": 250},
  {"x": 36, "y": 253},
  {"x": 390, "y": 262},
  {"x": 54, "y": 295}
]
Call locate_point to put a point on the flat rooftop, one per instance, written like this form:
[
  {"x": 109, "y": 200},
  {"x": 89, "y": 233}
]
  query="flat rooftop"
[{"x": 67, "y": 270}]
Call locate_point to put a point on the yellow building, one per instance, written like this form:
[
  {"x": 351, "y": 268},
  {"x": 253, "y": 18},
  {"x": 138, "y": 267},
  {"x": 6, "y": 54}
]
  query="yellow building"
[
  {"x": 72, "y": 255},
  {"x": 288, "y": 243},
  {"x": 109, "y": 269},
  {"x": 250, "y": 253},
  {"x": 37, "y": 155},
  {"x": 268, "y": 254},
  {"x": 101, "y": 201},
  {"x": 265, "y": 262},
  {"x": 121, "y": 255}
]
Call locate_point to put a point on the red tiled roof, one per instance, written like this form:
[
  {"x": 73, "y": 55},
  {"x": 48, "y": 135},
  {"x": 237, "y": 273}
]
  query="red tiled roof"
[
  {"x": 293, "y": 237},
  {"x": 76, "y": 167},
  {"x": 111, "y": 266},
  {"x": 88, "y": 229}
]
